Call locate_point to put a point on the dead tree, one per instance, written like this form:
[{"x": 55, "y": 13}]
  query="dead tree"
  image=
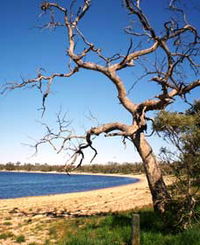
[{"x": 178, "y": 44}]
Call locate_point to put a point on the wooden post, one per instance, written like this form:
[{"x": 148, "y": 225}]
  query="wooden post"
[{"x": 135, "y": 236}]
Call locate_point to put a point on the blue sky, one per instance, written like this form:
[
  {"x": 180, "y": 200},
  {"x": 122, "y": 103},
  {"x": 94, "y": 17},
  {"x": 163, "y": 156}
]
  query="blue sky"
[{"x": 25, "y": 48}]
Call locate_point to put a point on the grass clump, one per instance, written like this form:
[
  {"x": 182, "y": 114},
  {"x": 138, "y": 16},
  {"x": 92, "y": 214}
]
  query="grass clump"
[
  {"x": 20, "y": 239},
  {"x": 7, "y": 223},
  {"x": 189, "y": 237},
  {"x": 53, "y": 232},
  {"x": 48, "y": 242},
  {"x": 4, "y": 236},
  {"x": 8, "y": 218}
]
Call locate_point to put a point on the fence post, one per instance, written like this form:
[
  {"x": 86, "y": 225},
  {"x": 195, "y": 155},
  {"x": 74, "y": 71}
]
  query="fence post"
[{"x": 135, "y": 236}]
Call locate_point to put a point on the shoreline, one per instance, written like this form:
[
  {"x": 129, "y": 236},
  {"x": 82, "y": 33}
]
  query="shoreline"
[
  {"x": 89, "y": 202},
  {"x": 70, "y": 173},
  {"x": 137, "y": 179}
]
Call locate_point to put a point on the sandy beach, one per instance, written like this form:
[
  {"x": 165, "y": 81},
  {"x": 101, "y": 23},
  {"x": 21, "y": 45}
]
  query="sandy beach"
[
  {"x": 23, "y": 214},
  {"x": 90, "y": 202}
]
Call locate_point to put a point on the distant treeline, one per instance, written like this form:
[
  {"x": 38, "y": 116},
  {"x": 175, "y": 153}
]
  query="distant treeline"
[
  {"x": 30, "y": 167},
  {"x": 109, "y": 168},
  {"x": 114, "y": 168}
]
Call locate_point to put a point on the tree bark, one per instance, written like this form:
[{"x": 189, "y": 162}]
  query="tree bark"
[{"x": 160, "y": 195}]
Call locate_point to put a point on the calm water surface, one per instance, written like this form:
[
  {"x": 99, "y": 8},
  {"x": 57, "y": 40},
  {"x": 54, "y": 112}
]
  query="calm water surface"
[{"x": 14, "y": 184}]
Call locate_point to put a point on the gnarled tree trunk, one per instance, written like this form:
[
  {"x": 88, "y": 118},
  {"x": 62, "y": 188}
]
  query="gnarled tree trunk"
[{"x": 160, "y": 195}]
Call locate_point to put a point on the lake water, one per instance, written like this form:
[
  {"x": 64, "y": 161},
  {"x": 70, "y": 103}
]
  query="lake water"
[{"x": 15, "y": 184}]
